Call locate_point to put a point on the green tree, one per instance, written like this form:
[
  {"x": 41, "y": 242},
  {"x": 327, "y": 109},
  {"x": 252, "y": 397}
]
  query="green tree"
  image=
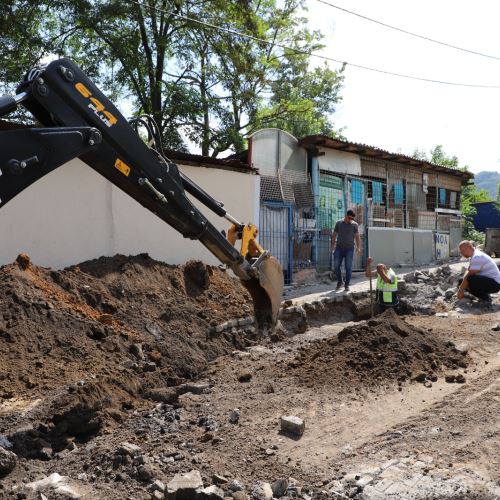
[
  {"x": 202, "y": 84},
  {"x": 469, "y": 195},
  {"x": 437, "y": 156}
]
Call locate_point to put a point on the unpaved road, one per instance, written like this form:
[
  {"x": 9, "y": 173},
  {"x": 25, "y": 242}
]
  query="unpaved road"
[{"x": 439, "y": 441}]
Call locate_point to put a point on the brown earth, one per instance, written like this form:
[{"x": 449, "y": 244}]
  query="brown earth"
[
  {"x": 99, "y": 337},
  {"x": 93, "y": 356},
  {"x": 373, "y": 353}
]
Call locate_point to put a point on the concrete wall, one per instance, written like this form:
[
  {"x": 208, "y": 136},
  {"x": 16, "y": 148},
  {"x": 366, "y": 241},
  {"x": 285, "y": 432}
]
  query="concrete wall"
[
  {"x": 423, "y": 246},
  {"x": 340, "y": 161},
  {"x": 395, "y": 246},
  {"x": 74, "y": 214}
]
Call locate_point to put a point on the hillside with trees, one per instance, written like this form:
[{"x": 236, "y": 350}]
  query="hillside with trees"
[{"x": 489, "y": 181}]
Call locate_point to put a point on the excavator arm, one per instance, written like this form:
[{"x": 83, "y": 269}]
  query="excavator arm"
[{"x": 79, "y": 121}]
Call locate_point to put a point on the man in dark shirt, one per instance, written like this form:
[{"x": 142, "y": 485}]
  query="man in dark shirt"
[{"x": 344, "y": 235}]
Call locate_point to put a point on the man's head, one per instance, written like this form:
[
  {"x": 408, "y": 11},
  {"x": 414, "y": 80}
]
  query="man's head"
[
  {"x": 350, "y": 216},
  {"x": 381, "y": 267},
  {"x": 466, "y": 248}
]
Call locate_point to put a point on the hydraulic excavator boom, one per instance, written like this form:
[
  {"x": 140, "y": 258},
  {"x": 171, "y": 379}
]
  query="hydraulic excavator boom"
[{"x": 79, "y": 121}]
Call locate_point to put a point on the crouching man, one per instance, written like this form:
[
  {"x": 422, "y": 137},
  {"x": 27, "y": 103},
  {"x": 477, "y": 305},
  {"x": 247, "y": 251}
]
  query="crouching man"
[
  {"x": 386, "y": 287},
  {"x": 482, "y": 277}
]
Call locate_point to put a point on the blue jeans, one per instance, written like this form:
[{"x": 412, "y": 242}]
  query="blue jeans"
[{"x": 338, "y": 256}]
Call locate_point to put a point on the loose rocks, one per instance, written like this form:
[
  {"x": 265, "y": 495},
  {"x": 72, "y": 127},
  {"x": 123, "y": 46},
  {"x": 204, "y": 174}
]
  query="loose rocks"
[{"x": 8, "y": 461}]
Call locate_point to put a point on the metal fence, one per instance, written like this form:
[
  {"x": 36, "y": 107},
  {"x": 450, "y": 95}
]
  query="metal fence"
[{"x": 297, "y": 227}]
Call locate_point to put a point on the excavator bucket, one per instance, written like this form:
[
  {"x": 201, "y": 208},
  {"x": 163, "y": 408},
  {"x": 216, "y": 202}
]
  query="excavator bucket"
[{"x": 266, "y": 290}]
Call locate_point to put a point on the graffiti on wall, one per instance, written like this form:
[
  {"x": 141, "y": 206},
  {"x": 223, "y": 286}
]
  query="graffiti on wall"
[
  {"x": 331, "y": 201},
  {"x": 442, "y": 245}
]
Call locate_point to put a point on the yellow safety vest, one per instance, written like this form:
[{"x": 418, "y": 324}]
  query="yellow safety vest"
[{"x": 388, "y": 291}]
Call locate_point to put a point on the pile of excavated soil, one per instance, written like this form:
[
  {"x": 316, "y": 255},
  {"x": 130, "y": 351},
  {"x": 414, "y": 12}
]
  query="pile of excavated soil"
[
  {"x": 92, "y": 340},
  {"x": 377, "y": 352}
]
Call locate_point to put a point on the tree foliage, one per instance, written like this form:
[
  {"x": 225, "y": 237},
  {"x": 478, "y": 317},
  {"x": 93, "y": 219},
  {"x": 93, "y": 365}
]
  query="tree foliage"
[
  {"x": 202, "y": 85},
  {"x": 469, "y": 195}
]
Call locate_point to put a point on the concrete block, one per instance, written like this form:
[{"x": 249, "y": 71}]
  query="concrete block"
[
  {"x": 292, "y": 425},
  {"x": 184, "y": 486},
  {"x": 211, "y": 493},
  {"x": 262, "y": 491}
]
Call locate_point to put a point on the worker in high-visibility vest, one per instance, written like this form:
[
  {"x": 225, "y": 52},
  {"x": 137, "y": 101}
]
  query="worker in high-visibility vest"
[{"x": 386, "y": 285}]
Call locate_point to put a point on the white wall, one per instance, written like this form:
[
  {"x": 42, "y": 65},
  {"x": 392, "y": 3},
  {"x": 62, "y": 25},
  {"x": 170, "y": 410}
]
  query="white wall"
[
  {"x": 340, "y": 161},
  {"x": 74, "y": 214}
]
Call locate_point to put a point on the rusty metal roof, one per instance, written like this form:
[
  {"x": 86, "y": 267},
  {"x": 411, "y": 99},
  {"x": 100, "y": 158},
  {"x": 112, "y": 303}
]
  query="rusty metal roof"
[
  {"x": 208, "y": 161},
  {"x": 314, "y": 141}
]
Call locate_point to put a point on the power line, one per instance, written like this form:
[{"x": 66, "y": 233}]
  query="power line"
[
  {"x": 313, "y": 54},
  {"x": 406, "y": 32}
]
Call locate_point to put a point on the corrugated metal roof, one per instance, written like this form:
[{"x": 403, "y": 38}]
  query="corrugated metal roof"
[{"x": 324, "y": 141}]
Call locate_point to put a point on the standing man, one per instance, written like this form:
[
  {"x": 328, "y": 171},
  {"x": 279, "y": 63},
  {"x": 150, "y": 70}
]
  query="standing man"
[
  {"x": 482, "y": 277},
  {"x": 344, "y": 235},
  {"x": 386, "y": 287}
]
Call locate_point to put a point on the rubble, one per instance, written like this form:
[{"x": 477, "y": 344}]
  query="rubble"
[
  {"x": 111, "y": 379},
  {"x": 430, "y": 292}
]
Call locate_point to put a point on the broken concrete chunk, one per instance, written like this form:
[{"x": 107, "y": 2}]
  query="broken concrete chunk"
[
  {"x": 292, "y": 425},
  {"x": 195, "y": 388},
  {"x": 8, "y": 461},
  {"x": 234, "y": 416},
  {"x": 127, "y": 448},
  {"x": 235, "y": 485},
  {"x": 262, "y": 491},
  {"x": 279, "y": 487},
  {"x": 185, "y": 486},
  {"x": 57, "y": 483},
  {"x": 212, "y": 493}
]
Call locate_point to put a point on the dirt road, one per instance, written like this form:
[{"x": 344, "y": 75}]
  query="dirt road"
[{"x": 383, "y": 436}]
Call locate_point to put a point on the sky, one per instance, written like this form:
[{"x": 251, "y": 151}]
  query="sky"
[{"x": 398, "y": 114}]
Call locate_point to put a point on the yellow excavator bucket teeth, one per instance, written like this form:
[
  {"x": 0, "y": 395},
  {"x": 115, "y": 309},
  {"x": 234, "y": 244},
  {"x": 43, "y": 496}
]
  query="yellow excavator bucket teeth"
[{"x": 267, "y": 291}]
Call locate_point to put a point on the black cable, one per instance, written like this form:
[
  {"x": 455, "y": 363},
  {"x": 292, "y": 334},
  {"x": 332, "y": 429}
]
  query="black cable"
[{"x": 406, "y": 32}]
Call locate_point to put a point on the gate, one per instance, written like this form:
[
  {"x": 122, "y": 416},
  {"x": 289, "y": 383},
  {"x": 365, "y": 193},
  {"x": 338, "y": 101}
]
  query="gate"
[{"x": 275, "y": 234}]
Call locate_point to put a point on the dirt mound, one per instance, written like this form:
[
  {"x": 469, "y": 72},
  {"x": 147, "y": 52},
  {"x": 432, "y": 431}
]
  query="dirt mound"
[
  {"x": 119, "y": 325},
  {"x": 378, "y": 352}
]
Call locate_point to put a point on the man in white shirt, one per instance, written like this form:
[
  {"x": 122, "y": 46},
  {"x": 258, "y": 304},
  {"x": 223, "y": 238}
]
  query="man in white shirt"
[{"x": 482, "y": 277}]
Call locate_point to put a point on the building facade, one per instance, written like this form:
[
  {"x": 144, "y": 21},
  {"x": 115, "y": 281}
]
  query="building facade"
[{"x": 408, "y": 210}]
